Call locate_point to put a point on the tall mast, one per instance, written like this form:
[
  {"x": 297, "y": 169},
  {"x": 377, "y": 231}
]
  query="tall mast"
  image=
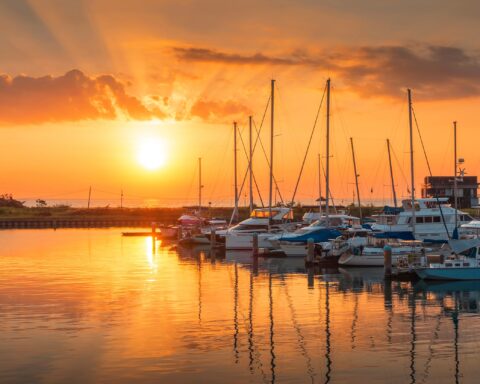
[
  {"x": 391, "y": 175},
  {"x": 455, "y": 172},
  {"x": 200, "y": 186},
  {"x": 327, "y": 175},
  {"x": 356, "y": 179},
  {"x": 411, "y": 160},
  {"x": 235, "y": 211},
  {"x": 272, "y": 114},
  {"x": 250, "y": 163},
  {"x": 319, "y": 186}
]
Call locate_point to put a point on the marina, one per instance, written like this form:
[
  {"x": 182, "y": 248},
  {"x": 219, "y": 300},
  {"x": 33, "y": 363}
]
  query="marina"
[{"x": 256, "y": 192}]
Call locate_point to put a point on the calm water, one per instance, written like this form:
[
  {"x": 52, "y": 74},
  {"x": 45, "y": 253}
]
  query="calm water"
[{"x": 82, "y": 306}]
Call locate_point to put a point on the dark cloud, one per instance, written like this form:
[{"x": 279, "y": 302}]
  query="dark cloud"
[
  {"x": 209, "y": 55},
  {"x": 70, "y": 97},
  {"x": 219, "y": 111},
  {"x": 433, "y": 71}
]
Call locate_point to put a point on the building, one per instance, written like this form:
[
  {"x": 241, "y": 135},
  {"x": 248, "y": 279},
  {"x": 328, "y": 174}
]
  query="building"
[{"x": 442, "y": 186}]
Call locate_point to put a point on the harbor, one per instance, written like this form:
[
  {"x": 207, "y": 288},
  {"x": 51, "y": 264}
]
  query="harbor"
[{"x": 254, "y": 192}]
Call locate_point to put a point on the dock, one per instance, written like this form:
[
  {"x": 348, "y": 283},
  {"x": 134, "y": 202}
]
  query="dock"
[{"x": 73, "y": 223}]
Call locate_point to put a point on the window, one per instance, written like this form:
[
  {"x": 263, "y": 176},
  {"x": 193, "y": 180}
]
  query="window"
[
  {"x": 259, "y": 214},
  {"x": 419, "y": 220},
  {"x": 436, "y": 219},
  {"x": 428, "y": 219}
]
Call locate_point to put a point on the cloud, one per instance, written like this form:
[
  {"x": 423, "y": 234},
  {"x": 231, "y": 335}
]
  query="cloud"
[
  {"x": 73, "y": 96},
  {"x": 219, "y": 111},
  {"x": 209, "y": 55},
  {"x": 433, "y": 71}
]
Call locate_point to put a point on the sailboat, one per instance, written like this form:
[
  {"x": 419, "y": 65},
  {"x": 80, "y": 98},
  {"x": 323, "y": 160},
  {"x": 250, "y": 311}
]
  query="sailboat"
[{"x": 262, "y": 221}]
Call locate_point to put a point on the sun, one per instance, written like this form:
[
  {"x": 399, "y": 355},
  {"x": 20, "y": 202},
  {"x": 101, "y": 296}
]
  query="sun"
[{"x": 152, "y": 153}]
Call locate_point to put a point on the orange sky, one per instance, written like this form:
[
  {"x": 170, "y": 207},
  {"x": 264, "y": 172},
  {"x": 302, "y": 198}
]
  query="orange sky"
[{"x": 83, "y": 83}]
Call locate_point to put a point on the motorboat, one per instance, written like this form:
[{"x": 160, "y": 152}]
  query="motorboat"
[
  {"x": 459, "y": 260},
  {"x": 433, "y": 218},
  {"x": 372, "y": 254}
]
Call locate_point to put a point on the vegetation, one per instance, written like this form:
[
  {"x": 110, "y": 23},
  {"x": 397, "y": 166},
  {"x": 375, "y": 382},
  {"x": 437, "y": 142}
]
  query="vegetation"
[{"x": 7, "y": 200}]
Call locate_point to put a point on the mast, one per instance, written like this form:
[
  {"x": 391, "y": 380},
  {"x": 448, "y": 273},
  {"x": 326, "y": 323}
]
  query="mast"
[
  {"x": 89, "y": 196},
  {"x": 319, "y": 186},
  {"x": 272, "y": 114},
  {"x": 250, "y": 163},
  {"x": 391, "y": 174},
  {"x": 356, "y": 179},
  {"x": 235, "y": 210},
  {"x": 455, "y": 186},
  {"x": 200, "y": 186},
  {"x": 412, "y": 173},
  {"x": 327, "y": 175}
]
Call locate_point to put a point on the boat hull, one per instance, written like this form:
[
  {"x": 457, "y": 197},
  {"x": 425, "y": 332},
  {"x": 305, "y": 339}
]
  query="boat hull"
[
  {"x": 245, "y": 241},
  {"x": 448, "y": 273}
]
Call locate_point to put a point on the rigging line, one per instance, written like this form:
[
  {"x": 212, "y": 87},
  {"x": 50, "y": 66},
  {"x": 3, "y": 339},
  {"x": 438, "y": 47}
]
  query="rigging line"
[
  {"x": 379, "y": 164},
  {"x": 430, "y": 172},
  {"x": 215, "y": 183},
  {"x": 329, "y": 191},
  {"x": 308, "y": 146},
  {"x": 399, "y": 165},
  {"x": 248, "y": 167},
  {"x": 421, "y": 141},
  {"x": 253, "y": 150},
  {"x": 268, "y": 163}
]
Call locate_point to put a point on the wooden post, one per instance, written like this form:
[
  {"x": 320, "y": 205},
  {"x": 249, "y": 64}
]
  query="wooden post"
[
  {"x": 310, "y": 276},
  {"x": 213, "y": 239},
  {"x": 255, "y": 245},
  {"x": 387, "y": 261},
  {"x": 310, "y": 250},
  {"x": 179, "y": 233}
]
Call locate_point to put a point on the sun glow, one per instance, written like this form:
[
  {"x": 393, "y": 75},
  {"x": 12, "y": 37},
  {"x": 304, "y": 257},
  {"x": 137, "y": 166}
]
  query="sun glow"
[{"x": 152, "y": 153}]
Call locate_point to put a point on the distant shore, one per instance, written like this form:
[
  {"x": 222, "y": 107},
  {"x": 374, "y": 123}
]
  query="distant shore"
[{"x": 164, "y": 216}]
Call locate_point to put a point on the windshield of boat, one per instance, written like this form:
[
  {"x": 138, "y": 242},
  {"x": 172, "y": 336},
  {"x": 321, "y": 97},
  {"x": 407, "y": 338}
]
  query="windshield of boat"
[
  {"x": 249, "y": 227},
  {"x": 336, "y": 222}
]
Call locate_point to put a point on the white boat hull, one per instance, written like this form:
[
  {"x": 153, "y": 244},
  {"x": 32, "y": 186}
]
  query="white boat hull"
[
  {"x": 373, "y": 257},
  {"x": 244, "y": 241}
]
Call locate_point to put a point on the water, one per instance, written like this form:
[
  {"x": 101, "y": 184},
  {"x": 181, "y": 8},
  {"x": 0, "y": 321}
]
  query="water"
[{"x": 88, "y": 306}]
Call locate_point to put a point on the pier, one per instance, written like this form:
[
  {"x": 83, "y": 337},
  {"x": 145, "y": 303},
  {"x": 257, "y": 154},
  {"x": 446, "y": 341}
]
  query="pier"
[{"x": 73, "y": 223}]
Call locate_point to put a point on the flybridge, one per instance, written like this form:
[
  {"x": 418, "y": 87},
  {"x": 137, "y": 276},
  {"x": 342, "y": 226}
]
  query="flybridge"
[{"x": 428, "y": 203}]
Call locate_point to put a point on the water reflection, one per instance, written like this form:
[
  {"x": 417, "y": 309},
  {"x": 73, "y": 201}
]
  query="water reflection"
[{"x": 89, "y": 306}]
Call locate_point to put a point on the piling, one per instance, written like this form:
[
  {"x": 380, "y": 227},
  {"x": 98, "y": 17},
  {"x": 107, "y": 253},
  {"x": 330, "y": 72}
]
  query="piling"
[
  {"x": 387, "y": 261},
  {"x": 255, "y": 244},
  {"x": 213, "y": 239},
  {"x": 310, "y": 251},
  {"x": 179, "y": 233},
  {"x": 310, "y": 276}
]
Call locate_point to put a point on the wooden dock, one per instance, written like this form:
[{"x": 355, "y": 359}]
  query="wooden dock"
[{"x": 73, "y": 223}]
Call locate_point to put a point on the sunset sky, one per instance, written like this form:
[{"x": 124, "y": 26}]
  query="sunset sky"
[{"x": 86, "y": 86}]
